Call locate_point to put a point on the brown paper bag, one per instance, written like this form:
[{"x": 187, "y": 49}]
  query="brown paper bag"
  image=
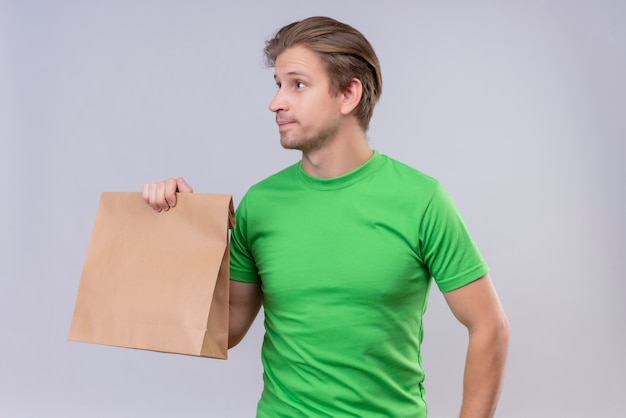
[{"x": 157, "y": 281}]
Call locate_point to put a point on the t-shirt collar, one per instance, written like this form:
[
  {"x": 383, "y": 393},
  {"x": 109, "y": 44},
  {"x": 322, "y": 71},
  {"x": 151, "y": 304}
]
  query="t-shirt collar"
[{"x": 371, "y": 165}]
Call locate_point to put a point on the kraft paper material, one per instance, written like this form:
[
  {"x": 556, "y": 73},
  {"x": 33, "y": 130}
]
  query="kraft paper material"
[{"x": 157, "y": 280}]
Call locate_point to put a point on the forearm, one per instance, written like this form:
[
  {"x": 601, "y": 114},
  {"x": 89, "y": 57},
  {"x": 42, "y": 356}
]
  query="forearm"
[{"x": 484, "y": 370}]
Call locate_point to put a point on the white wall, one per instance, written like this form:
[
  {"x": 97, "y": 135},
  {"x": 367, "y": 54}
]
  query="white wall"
[{"x": 518, "y": 107}]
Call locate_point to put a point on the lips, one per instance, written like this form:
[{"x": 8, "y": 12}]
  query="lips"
[{"x": 284, "y": 123}]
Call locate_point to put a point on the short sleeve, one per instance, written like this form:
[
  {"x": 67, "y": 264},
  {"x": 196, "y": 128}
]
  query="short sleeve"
[
  {"x": 242, "y": 264},
  {"x": 446, "y": 246}
]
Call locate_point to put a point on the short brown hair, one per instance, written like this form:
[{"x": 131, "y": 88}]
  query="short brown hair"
[{"x": 345, "y": 53}]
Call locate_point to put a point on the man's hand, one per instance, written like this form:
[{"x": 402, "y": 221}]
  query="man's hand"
[{"x": 162, "y": 196}]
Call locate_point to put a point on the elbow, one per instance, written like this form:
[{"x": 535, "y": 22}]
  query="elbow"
[
  {"x": 494, "y": 333},
  {"x": 238, "y": 327},
  {"x": 501, "y": 334},
  {"x": 501, "y": 340},
  {"x": 505, "y": 329},
  {"x": 234, "y": 339}
]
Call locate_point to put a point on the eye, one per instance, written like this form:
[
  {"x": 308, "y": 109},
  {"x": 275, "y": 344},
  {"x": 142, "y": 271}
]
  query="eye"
[{"x": 300, "y": 85}]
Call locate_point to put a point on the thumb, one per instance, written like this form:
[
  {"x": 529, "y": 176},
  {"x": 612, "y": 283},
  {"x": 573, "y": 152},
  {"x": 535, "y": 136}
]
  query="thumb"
[{"x": 182, "y": 186}]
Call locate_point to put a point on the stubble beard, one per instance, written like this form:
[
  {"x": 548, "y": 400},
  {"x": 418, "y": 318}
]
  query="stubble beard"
[{"x": 309, "y": 142}]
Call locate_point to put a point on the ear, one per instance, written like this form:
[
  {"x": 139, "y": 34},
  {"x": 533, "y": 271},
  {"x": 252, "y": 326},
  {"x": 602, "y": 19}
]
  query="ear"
[{"x": 351, "y": 96}]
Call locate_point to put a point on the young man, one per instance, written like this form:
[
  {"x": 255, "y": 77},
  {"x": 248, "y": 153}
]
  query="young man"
[{"x": 340, "y": 249}]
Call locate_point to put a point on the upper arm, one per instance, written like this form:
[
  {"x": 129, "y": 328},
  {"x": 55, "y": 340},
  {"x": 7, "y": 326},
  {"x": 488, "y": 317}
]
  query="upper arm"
[
  {"x": 476, "y": 305},
  {"x": 245, "y": 302}
]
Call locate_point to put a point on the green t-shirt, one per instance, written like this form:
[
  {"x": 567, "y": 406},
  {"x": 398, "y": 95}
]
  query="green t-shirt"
[{"x": 345, "y": 266}]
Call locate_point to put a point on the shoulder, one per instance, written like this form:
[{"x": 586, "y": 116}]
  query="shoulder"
[
  {"x": 407, "y": 177},
  {"x": 281, "y": 180},
  {"x": 286, "y": 174}
]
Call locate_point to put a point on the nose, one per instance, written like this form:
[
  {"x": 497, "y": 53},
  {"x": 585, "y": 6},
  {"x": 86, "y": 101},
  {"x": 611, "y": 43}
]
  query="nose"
[{"x": 278, "y": 103}]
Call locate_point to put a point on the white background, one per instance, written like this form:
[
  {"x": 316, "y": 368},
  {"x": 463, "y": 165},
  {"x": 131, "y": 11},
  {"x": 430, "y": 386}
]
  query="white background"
[{"x": 517, "y": 107}]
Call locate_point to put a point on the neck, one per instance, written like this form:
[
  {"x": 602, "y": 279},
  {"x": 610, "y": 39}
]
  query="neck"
[{"x": 346, "y": 152}]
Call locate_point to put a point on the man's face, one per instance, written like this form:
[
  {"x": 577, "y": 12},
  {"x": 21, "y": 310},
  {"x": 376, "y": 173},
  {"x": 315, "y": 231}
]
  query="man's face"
[{"x": 307, "y": 115}]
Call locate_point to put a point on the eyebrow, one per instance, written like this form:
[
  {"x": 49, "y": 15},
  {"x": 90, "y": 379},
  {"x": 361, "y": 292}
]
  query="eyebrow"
[{"x": 292, "y": 74}]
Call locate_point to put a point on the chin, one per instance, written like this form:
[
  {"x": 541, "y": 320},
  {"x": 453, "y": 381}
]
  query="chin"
[
  {"x": 302, "y": 144},
  {"x": 290, "y": 144}
]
